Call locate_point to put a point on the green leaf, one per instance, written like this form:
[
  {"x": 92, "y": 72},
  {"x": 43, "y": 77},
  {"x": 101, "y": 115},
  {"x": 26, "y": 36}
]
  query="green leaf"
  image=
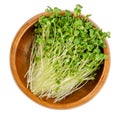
[
  {"x": 38, "y": 40},
  {"x": 76, "y": 32},
  {"x": 91, "y": 33},
  {"x": 88, "y": 15},
  {"x": 76, "y": 41},
  {"x": 58, "y": 81},
  {"x": 67, "y": 13}
]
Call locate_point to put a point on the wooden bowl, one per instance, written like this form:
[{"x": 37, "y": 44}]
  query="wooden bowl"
[{"x": 19, "y": 61}]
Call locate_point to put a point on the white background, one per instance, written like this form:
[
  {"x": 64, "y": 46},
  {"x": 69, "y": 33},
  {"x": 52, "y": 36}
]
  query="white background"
[{"x": 15, "y": 105}]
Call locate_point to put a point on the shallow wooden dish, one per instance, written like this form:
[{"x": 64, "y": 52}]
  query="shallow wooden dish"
[{"x": 19, "y": 61}]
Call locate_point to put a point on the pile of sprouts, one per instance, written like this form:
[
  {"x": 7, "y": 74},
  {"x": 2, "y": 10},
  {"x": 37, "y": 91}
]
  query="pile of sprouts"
[{"x": 66, "y": 52}]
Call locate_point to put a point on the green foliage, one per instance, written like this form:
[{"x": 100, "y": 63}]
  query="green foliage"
[{"x": 66, "y": 52}]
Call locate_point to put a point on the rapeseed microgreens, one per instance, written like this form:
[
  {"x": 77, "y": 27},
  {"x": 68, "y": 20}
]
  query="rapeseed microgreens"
[{"x": 66, "y": 52}]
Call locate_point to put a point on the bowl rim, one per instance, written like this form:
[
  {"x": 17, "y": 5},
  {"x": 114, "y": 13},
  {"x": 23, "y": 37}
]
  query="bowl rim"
[{"x": 16, "y": 77}]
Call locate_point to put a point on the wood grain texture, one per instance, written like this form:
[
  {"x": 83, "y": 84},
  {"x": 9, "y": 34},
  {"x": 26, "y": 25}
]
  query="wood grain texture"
[{"x": 19, "y": 61}]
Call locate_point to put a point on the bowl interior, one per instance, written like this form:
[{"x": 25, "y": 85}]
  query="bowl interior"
[{"x": 20, "y": 56}]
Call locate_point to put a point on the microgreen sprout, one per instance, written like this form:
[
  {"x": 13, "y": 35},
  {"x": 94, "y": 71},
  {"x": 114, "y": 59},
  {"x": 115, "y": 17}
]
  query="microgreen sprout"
[{"x": 66, "y": 52}]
